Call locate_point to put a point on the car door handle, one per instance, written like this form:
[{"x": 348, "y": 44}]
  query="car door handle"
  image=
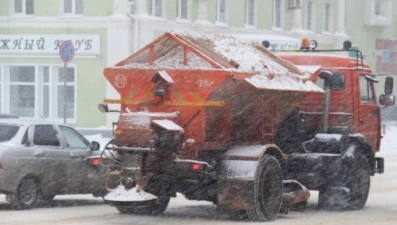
[
  {"x": 38, "y": 153},
  {"x": 74, "y": 155}
]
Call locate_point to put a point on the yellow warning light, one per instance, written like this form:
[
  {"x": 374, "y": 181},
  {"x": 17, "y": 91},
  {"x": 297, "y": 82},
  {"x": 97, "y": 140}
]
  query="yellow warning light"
[{"x": 305, "y": 44}]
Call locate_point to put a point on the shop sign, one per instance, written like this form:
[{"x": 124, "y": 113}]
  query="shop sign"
[{"x": 47, "y": 45}]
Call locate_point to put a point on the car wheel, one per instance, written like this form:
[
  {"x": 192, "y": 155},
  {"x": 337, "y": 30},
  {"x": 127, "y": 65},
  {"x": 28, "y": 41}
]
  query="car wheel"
[{"x": 27, "y": 194}]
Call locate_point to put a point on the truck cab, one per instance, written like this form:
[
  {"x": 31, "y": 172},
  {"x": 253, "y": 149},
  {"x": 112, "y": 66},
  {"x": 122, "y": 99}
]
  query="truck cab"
[{"x": 353, "y": 103}]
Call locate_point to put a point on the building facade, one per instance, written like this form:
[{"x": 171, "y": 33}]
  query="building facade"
[{"x": 36, "y": 83}]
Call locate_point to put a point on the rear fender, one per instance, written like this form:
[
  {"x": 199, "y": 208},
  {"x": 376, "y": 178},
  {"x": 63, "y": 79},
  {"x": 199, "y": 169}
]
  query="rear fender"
[{"x": 237, "y": 174}]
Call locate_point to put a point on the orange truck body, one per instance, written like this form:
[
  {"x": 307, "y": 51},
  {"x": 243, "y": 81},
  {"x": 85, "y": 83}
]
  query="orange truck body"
[{"x": 227, "y": 121}]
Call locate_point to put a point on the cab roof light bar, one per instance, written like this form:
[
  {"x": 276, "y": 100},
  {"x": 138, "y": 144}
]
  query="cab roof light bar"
[{"x": 310, "y": 46}]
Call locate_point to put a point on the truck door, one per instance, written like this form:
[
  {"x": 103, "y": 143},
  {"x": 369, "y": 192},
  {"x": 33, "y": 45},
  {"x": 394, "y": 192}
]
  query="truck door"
[{"x": 369, "y": 112}]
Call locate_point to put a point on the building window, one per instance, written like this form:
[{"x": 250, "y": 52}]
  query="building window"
[
  {"x": 66, "y": 76},
  {"x": 292, "y": 4},
  {"x": 36, "y": 91},
  {"x": 249, "y": 12},
  {"x": 73, "y": 7},
  {"x": 386, "y": 56},
  {"x": 378, "y": 8},
  {"x": 24, "y": 7},
  {"x": 182, "y": 9},
  {"x": 327, "y": 17},
  {"x": 277, "y": 13},
  {"x": 221, "y": 11},
  {"x": 381, "y": 8},
  {"x": 156, "y": 8},
  {"x": 378, "y": 12},
  {"x": 22, "y": 90},
  {"x": 308, "y": 15}
]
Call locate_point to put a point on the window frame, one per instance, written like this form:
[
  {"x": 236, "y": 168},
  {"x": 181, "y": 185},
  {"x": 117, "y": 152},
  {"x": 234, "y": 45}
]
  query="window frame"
[
  {"x": 327, "y": 18},
  {"x": 378, "y": 12},
  {"x": 250, "y": 15},
  {"x": 219, "y": 5},
  {"x": 369, "y": 88},
  {"x": 23, "y": 10},
  {"x": 278, "y": 22},
  {"x": 39, "y": 85},
  {"x": 308, "y": 16},
  {"x": 179, "y": 10},
  {"x": 60, "y": 84},
  {"x": 22, "y": 84},
  {"x": 73, "y": 8},
  {"x": 65, "y": 129},
  {"x": 153, "y": 7},
  {"x": 381, "y": 9},
  {"x": 56, "y": 135}
]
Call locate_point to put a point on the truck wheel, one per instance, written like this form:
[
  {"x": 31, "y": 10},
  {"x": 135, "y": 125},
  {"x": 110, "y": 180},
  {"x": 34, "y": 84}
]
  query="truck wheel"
[
  {"x": 354, "y": 195},
  {"x": 359, "y": 183},
  {"x": 27, "y": 194},
  {"x": 268, "y": 189},
  {"x": 155, "y": 209}
]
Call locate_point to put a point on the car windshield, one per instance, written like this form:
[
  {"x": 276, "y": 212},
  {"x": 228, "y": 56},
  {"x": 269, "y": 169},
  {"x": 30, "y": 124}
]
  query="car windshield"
[{"x": 7, "y": 132}]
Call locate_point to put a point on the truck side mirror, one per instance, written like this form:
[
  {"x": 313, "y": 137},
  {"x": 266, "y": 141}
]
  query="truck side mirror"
[
  {"x": 103, "y": 108},
  {"x": 386, "y": 99},
  {"x": 389, "y": 85}
]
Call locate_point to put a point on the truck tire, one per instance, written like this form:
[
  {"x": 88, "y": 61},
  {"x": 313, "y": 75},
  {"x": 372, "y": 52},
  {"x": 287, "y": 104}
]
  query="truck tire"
[
  {"x": 267, "y": 192},
  {"x": 154, "y": 209},
  {"x": 358, "y": 185}
]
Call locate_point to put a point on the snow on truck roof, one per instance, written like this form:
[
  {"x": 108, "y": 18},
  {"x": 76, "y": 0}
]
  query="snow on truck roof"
[{"x": 221, "y": 52}]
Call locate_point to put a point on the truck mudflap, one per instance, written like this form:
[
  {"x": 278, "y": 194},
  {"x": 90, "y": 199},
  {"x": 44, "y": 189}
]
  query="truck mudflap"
[
  {"x": 123, "y": 195},
  {"x": 295, "y": 196},
  {"x": 379, "y": 165}
]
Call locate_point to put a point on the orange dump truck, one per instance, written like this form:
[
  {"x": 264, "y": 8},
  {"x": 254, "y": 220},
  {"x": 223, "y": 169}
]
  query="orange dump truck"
[{"x": 227, "y": 121}]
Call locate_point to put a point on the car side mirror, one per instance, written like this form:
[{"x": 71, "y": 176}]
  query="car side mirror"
[
  {"x": 95, "y": 146},
  {"x": 385, "y": 99}
]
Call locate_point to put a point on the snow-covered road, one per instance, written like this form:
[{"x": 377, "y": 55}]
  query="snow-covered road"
[{"x": 381, "y": 207}]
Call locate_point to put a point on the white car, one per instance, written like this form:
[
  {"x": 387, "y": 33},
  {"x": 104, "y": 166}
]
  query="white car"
[{"x": 39, "y": 160}]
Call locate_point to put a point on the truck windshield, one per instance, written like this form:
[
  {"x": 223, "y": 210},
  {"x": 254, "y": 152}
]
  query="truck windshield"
[{"x": 7, "y": 132}]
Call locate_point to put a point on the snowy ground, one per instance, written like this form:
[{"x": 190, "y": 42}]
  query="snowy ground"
[
  {"x": 389, "y": 140},
  {"x": 381, "y": 207}
]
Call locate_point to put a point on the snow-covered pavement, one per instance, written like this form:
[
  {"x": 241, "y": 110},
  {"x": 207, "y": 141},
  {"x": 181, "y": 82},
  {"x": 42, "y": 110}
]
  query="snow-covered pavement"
[{"x": 381, "y": 207}]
